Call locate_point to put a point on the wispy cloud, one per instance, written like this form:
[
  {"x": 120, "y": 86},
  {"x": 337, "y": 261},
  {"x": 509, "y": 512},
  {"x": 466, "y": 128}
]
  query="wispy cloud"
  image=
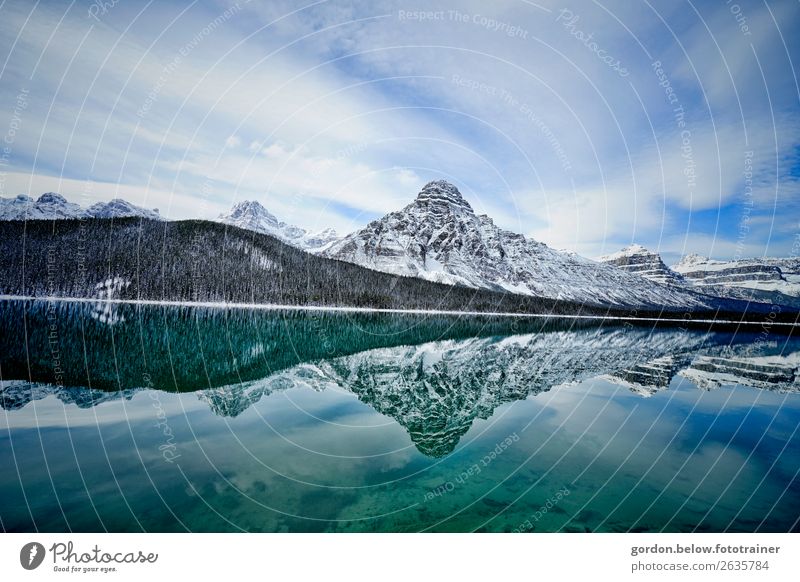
[{"x": 337, "y": 112}]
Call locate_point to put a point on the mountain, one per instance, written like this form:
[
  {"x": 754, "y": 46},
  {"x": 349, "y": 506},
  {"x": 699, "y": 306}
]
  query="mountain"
[
  {"x": 638, "y": 260},
  {"x": 49, "y": 206},
  {"x": 251, "y": 215},
  {"x": 750, "y": 279},
  {"x": 119, "y": 208},
  {"x": 53, "y": 206},
  {"x": 203, "y": 261},
  {"x": 440, "y": 238},
  {"x": 767, "y": 280}
]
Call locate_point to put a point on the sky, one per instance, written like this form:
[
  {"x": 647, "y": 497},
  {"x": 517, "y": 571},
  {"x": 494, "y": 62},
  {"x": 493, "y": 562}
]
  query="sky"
[{"x": 585, "y": 125}]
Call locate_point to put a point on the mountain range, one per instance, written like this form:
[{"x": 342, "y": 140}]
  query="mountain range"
[
  {"x": 769, "y": 280},
  {"x": 52, "y": 206},
  {"x": 439, "y": 238},
  {"x": 251, "y": 215}
]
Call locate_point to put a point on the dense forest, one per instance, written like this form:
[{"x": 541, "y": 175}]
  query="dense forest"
[{"x": 202, "y": 261}]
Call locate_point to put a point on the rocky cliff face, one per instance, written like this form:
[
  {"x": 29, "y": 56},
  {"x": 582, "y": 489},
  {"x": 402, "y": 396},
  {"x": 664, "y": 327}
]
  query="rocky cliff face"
[
  {"x": 767, "y": 280},
  {"x": 752, "y": 279},
  {"x": 439, "y": 237},
  {"x": 638, "y": 260}
]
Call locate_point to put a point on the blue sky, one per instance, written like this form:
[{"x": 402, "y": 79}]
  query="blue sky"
[{"x": 585, "y": 125}]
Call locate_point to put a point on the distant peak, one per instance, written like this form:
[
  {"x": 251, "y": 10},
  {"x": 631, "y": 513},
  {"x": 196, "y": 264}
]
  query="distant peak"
[
  {"x": 693, "y": 259},
  {"x": 636, "y": 249},
  {"x": 251, "y": 207},
  {"x": 247, "y": 204},
  {"x": 50, "y": 197},
  {"x": 442, "y": 190}
]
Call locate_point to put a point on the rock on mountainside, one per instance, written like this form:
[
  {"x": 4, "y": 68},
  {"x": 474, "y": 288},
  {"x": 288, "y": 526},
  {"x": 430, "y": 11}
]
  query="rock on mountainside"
[
  {"x": 640, "y": 261},
  {"x": 53, "y": 206},
  {"x": 440, "y": 238},
  {"x": 251, "y": 215}
]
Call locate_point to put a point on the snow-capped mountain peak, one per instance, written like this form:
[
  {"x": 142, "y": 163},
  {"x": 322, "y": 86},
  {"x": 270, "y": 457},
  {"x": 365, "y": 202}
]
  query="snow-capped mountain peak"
[
  {"x": 119, "y": 208},
  {"x": 438, "y": 237},
  {"x": 766, "y": 279},
  {"x": 53, "y": 206},
  {"x": 320, "y": 240},
  {"x": 692, "y": 259},
  {"x": 251, "y": 215},
  {"x": 442, "y": 192}
]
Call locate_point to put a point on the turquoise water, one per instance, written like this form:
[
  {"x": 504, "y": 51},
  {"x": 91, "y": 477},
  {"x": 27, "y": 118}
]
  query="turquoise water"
[{"x": 126, "y": 418}]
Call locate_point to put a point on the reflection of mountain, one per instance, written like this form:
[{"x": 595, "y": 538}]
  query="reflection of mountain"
[
  {"x": 437, "y": 390},
  {"x": 768, "y": 372},
  {"x": 433, "y": 375},
  {"x": 189, "y": 348},
  {"x": 649, "y": 377},
  {"x": 15, "y": 394}
]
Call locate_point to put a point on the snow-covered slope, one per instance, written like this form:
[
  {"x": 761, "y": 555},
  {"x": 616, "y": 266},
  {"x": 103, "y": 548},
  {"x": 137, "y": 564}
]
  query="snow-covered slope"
[
  {"x": 723, "y": 277},
  {"x": 52, "y": 206},
  {"x": 119, "y": 208},
  {"x": 251, "y": 215},
  {"x": 640, "y": 261},
  {"x": 439, "y": 237},
  {"x": 48, "y": 206}
]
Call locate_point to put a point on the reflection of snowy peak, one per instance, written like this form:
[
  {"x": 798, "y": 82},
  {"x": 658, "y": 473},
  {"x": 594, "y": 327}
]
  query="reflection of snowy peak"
[
  {"x": 16, "y": 394},
  {"x": 647, "y": 378},
  {"x": 52, "y": 206},
  {"x": 437, "y": 390},
  {"x": 640, "y": 261},
  {"x": 251, "y": 215},
  {"x": 439, "y": 237},
  {"x": 780, "y": 373}
]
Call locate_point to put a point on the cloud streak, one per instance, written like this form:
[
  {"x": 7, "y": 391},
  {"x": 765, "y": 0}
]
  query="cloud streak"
[{"x": 334, "y": 113}]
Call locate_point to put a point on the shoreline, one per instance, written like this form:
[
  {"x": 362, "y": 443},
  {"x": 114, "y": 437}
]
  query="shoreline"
[{"x": 346, "y": 309}]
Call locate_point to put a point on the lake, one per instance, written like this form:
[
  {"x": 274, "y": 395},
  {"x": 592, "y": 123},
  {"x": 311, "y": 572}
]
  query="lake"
[{"x": 164, "y": 418}]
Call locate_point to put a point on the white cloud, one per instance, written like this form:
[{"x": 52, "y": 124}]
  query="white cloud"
[{"x": 349, "y": 109}]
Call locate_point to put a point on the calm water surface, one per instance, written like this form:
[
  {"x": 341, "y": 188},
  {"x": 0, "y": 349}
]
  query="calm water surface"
[{"x": 131, "y": 418}]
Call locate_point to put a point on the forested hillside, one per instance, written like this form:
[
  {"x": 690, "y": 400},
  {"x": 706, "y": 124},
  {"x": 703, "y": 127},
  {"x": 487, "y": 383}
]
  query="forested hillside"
[{"x": 196, "y": 260}]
